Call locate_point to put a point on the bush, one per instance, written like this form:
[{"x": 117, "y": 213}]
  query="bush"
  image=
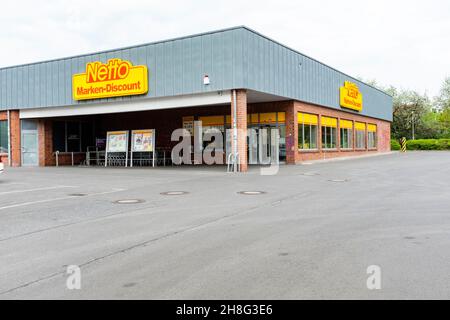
[
  {"x": 428, "y": 144},
  {"x": 395, "y": 145}
]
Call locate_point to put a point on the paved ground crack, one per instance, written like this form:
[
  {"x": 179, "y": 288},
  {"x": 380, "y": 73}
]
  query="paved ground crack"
[{"x": 164, "y": 236}]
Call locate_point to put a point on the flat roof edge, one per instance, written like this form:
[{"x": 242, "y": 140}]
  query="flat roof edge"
[
  {"x": 298, "y": 52},
  {"x": 193, "y": 36}
]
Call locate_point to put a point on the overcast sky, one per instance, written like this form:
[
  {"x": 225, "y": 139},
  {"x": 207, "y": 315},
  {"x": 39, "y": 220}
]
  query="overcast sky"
[{"x": 403, "y": 43}]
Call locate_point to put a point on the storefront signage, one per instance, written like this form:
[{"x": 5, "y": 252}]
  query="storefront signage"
[
  {"x": 117, "y": 141},
  {"x": 188, "y": 124},
  {"x": 350, "y": 97},
  {"x": 142, "y": 140},
  {"x": 113, "y": 79}
]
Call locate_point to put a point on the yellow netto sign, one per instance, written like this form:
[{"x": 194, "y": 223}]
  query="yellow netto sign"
[
  {"x": 113, "y": 79},
  {"x": 350, "y": 97}
]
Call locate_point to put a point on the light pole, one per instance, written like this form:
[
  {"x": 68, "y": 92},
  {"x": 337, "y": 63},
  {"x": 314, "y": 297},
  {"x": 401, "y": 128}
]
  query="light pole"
[{"x": 412, "y": 122}]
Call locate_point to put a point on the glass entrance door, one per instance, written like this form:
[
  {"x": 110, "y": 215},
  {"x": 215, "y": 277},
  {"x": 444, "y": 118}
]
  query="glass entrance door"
[
  {"x": 261, "y": 144},
  {"x": 29, "y": 143}
]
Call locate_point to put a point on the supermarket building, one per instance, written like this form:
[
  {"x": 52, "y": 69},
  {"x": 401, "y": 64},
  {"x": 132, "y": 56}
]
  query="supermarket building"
[{"x": 232, "y": 78}]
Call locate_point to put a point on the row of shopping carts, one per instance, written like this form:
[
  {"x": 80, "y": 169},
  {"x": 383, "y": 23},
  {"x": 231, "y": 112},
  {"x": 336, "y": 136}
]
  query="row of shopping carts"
[{"x": 95, "y": 157}]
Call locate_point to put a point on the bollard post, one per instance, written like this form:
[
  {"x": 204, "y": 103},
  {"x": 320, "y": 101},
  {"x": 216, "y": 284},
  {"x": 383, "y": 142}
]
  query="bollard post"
[
  {"x": 403, "y": 144},
  {"x": 57, "y": 158}
]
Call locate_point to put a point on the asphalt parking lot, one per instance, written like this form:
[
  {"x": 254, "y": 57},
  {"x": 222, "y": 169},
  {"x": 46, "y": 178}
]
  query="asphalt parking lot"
[{"x": 311, "y": 235}]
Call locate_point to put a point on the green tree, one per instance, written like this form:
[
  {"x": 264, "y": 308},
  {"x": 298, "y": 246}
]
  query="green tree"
[
  {"x": 432, "y": 127},
  {"x": 442, "y": 101},
  {"x": 444, "y": 120},
  {"x": 409, "y": 109},
  {"x": 431, "y": 118}
]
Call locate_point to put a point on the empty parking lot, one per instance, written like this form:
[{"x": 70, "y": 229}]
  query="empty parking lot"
[{"x": 311, "y": 234}]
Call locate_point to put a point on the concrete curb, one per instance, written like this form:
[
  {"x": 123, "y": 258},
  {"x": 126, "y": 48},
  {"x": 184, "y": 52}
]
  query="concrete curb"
[{"x": 347, "y": 158}]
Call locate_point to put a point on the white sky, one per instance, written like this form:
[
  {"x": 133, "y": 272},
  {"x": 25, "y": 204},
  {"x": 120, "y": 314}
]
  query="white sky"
[{"x": 403, "y": 43}]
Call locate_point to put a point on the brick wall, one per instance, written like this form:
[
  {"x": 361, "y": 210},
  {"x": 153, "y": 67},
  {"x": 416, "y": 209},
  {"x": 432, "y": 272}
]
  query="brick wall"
[
  {"x": 65, "y": 159},
  {"x": 45, "y": 137},
  {"x": 165, "y": 121},
  {"x": 3, "y": 156},
  {"x": 383, "y": 133},
  {"x": 15, "y": 138}
]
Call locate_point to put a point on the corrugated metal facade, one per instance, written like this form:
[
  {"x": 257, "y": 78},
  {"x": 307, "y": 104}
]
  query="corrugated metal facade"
[{"x": 233, "y": 58}]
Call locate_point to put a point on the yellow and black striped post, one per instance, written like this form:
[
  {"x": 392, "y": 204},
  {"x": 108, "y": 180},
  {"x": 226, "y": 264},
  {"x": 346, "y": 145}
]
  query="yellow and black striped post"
[{"x": 403, "y": 144}]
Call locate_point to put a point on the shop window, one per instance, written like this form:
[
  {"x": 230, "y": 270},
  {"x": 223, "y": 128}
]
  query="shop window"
[
  {"x": 210, "y": 125},
  {"x": 72, "y": 136},
  {"x": 281, "y": 117},
  {"x": 346, "y": 131},
  {"x": 270, "y": 117},
  {"x": 282, "y": 130},
  {"x": 307, "y": 131},
  {"x": 87, "y": 136},
  {"x": 59, "y": 136},
  {"x": 4, "y": 136},
  {"x": 329, "y": 132},
  {"x": 372, "y": 136},
  {"x": 252, "y": 118},
  {"x": 360, "y": 129}
]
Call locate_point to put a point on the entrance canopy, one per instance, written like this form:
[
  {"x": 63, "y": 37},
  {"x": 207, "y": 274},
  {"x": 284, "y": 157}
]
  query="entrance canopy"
[
  {"x": 196, "y": 100},
  {"x": 212, "y": 98}
]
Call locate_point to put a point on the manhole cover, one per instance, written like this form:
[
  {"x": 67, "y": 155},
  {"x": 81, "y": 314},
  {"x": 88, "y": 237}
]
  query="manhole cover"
[
  {"x": 251, "y": 193},
  {"x": 78, "y": 194},
  {"x": 339, "y": 180},
  {"x": 174, "y": 193},
  {"x": 310, "y": 174},
  {"x": 129, "y": 201}
]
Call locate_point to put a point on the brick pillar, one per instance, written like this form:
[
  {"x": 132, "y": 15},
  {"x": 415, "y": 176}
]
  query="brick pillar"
[
  {"x": 291, "y": 133},
  {"x": 45, "y": 133},
  {"x": 15, "y": 138},
  {"x": 241, "y": 120}
]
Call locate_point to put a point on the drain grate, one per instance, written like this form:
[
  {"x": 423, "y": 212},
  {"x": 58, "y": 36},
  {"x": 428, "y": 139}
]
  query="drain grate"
[
  {"x": 251, "y": 193},
  {"x": 129, "y": 201},
  {"x": 174, "y": 193},
  {"x": 78, "y": 194}
]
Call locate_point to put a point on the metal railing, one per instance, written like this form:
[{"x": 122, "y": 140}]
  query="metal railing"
[{"x": 233, "y": 163}]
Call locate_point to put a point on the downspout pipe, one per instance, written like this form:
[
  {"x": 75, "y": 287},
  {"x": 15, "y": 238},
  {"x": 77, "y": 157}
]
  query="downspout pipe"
[{"x": 235, "y": 132}]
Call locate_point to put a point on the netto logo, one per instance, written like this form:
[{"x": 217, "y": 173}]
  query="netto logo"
[
  {"x": 353, "y": 93},
  {"x": 115, "y": 69}
]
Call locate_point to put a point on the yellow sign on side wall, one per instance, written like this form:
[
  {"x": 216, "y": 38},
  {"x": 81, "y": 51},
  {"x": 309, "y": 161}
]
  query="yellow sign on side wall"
[
  {"x": 350, "y": 97},
  {"x": 114, "y": 79}
]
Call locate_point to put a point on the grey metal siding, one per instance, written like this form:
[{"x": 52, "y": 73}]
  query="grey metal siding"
[
  {"x": 290, "y": 74},
  {"x": 233, "y": 58},
  {"x": 176, "y": 67}
]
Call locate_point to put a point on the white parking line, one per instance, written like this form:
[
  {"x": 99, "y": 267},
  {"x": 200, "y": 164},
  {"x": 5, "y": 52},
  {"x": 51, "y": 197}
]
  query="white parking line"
[
  {"x": 36, "y": 189},
  {"x": 57, "y": 199}
]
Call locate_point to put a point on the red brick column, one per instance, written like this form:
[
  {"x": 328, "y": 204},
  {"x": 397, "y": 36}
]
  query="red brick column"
[
  {"x": 241, "y": 120},
  {"x": 45, "y": 133},
  {"x": 291, "y": 133},
  {"x": 15, "y": 138},
  {"x": 384, "y": 136}
]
